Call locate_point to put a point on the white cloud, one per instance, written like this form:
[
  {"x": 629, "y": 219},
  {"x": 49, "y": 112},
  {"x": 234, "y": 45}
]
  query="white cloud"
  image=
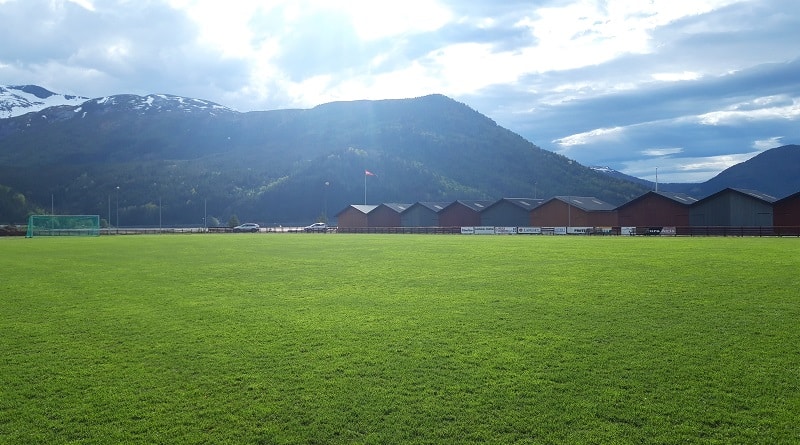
[
  {"x": 745, "y": 112},
  {"x": 675, "y": 77},
  {"x": 592, "y": 136},
  {"x": 660, "y": 152},
  {"x": 86, "y": 4},
  {"x": 766, "y": 144},
  {"x": 615, "y": 82}
]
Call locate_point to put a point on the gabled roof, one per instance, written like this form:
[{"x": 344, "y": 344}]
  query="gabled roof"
[
  {"x": 434, "y": 206},
  {"x": 523, "y": 203},
  {"x": 478, "y": 205},
  {"x": 679, "y": 198},
  {"x": 756, "y": 194},
  {"x": 397, "y": 207},
  {"x": 360, "y": 207},
  {"x": 791, "y": 197},
  {"x": 586, "y": 203},
  {"x": 751, "y": 193}
]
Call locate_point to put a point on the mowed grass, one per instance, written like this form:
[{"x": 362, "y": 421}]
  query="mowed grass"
[{"x": 340, "y": 338}]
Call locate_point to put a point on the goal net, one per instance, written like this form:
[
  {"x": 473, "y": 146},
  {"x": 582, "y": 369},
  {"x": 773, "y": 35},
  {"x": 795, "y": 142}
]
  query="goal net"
[{"x": 63, "y": 225}]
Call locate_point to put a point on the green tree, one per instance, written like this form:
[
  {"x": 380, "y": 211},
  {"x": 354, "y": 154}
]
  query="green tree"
[{"x": 233, "y": 221}]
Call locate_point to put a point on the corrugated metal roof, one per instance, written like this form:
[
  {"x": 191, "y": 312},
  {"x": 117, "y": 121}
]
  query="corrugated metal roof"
[
  {"x": 477, "y": 206},
  {"x": 397, "y": 207},
  {"x": 436, "y": 206},
  {"x": 756, "y": 194},
  {"x": 678, "y": 197},
  {"x": 586, "y": 203},
  {"x": 751, "y": 193},
  {"x": 525, "y": 203},
  {"x": 363, "y": 208},
  {"x": 789, "y": 198}
]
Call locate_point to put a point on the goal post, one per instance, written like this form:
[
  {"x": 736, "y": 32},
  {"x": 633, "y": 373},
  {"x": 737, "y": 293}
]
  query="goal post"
[{"x": 63, "y": 225}]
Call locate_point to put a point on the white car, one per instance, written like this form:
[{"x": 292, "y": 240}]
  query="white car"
[
  {"x": 316, "y": 227},
  {"x": 247, "y": 227}
]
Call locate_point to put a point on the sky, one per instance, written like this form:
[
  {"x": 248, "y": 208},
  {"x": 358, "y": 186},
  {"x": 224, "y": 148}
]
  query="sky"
[{"x": 682, "y": 89}]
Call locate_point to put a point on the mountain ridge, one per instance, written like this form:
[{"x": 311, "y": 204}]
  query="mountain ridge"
[
  {"x": 16, "y": 100},
  {"x": 277, "y": 166}
]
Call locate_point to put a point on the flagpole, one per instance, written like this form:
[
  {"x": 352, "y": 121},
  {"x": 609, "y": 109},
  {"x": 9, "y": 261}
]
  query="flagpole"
[{"x": 365, "y": 188}]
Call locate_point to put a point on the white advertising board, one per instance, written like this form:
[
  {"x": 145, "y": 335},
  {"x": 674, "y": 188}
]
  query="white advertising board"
[
  {"x": 529, "y": 230},
  {"x": 579, "y": 230},
  {"x": 484, "y": 230},
  {"x": 668, "y": 231},
  {"x": 505, "y": 230},
  {"x": 468, "y": 230},
  {"x": 559, "y": 230},
  {"x": 627, "y": 231}
]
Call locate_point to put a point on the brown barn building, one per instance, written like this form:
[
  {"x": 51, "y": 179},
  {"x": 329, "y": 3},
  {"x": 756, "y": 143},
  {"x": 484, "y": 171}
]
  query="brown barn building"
[
  {"x": 463, "y": 213},
  {"x": 786, "y": 215},
  {"x": 354, "y": 216},
  {"x": 386, "y": 215},
  {"x": 656, "y": 209},
  {"x": 574, "y": 211}
]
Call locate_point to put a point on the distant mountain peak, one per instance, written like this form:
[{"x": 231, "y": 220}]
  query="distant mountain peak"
[
  {"x": 155, "y": 103},
  {"x": 16, "y": 100}
]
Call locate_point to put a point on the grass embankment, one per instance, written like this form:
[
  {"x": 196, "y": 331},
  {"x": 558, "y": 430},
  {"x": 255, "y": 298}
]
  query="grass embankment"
[{"x": 399, "y": 339}]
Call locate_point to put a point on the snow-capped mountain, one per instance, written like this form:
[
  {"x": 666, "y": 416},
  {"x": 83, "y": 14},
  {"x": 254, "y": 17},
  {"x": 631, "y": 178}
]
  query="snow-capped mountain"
[
  {"x": 152, "y": 103},
  {"x": 17, "y": 100}
]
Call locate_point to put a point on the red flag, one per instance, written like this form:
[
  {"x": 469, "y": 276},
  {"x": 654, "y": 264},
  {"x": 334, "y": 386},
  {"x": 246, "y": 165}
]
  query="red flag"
[{"x": 369, "y": 173}]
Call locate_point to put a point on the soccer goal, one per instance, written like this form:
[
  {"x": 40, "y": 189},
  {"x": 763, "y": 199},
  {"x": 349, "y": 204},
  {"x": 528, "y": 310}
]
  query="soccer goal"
[{"x": 63, "y": 225}]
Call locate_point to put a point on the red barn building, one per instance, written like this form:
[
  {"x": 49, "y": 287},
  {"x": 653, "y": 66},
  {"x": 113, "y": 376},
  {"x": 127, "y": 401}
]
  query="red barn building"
[
  {"x": 463, "y": 213},
  {"x": 786, "y": 215},
  {"x": 656, "y": 209},
  {"x": 574, "y": 211},
  {"x": 354, "y": 216},
  {"x": 386, "y": 215}
]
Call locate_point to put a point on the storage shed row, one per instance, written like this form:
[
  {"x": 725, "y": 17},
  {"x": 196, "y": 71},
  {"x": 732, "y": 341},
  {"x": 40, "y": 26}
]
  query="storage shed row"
[{"x": 728, "y": 207}]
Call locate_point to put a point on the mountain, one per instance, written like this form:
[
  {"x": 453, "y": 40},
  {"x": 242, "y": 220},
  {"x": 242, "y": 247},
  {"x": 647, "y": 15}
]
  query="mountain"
[
  {"x": 619, "y": 175},
  {"x": 20, "y": 99},
  {"x": 775, "y": 172},
  {"x": 188, "y": 159}
]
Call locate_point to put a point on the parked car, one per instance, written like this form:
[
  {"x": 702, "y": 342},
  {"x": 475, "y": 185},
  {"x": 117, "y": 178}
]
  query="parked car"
[
  {"x": 316, "y": 227},
  {"x": 247, "y": 227}
]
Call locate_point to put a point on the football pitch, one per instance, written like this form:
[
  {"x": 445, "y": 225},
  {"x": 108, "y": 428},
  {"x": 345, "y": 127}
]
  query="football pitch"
[{"x": 308, "y": 338}]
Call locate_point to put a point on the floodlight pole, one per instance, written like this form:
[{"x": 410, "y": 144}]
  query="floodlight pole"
[
  {"x": 325, "y": 206},
  {"x": 117, "y": 208}
]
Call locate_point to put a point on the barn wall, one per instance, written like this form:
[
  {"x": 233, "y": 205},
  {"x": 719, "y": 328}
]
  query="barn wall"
[
  {"x": 383, "y": 216},
  {"x": 786, "y": 212},
  {"x": 351, "y": 218},
  {"x": 505, "y": 214},
  {"x": 457, "y": 214},
  {"x": 419, "y": 216},
  {"x": 654, "y": 211}
]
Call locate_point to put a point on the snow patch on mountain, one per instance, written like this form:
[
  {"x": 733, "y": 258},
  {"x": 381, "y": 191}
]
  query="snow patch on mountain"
[
  {"x": 157, "y": 103},
  {"x": 16, "y": 100}
]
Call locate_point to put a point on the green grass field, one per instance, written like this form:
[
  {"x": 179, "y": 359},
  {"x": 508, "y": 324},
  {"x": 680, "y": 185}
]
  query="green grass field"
[{"x": 323, "y": 339}]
